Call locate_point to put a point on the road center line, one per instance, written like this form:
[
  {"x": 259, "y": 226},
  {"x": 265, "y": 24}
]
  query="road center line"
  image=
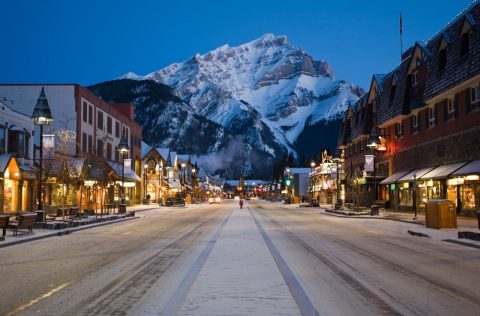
[
  {"x": 301, "y": 298},
  {"x": 176, "y": 300}
]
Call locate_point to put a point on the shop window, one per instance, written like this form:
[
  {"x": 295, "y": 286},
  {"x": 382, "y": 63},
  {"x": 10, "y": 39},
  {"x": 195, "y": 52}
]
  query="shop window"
[
  {"x": 2, "y": 140},
  {"x": 468, "y": 197}
]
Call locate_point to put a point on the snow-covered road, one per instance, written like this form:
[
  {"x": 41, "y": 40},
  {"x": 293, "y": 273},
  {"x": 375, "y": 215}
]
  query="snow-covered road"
[{"x": 267, "y": 259}]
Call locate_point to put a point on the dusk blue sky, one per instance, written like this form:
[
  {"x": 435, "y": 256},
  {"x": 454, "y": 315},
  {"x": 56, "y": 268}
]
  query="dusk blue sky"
[{"x": 90, "y": 41}]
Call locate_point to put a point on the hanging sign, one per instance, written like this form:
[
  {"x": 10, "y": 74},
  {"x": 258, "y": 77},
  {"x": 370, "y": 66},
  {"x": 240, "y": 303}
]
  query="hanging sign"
[
  {"x": 128, "y": 165},
  {"x": 48, "y": 141},
  {"x": 369, "y": 163}
]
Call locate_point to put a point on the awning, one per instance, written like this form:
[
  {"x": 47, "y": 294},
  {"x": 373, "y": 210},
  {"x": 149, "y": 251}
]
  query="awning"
[
  {"x": 417, "y": 173},
  {"x": 394, "y": 177},
  {"x": 472, "y": 168},
  {"x": 28, "y": 172},
  {"x": 128, "y": 174},
  {"x": 443, "y": 171}
]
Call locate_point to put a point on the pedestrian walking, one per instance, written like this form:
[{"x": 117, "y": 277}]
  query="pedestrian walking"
[{"x": 241, "y": 204}]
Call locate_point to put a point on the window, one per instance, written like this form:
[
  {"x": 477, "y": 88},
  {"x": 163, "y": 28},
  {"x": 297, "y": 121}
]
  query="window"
[
  {"x": 16, "y": 143},
  {"x": 85, "y": 111},
  {"x": 90, "y": 115},
  {"x": 475, "y": 94},
  {"x": 109, "y": 125},
  {"x": 2, "y": 140},
  {"x": 90, "y": 144},
  {"x": 431, "y": 116},
  {"x": 465, "y": 42},
  {"x": 415, "y": 127},
  {"x": 442, "y": 59},
  {"x": 109, "y": 151},
  {"x": 414, "y": 79},
  {"x": 117, "y": 129},
  {"x": 399, "y": 129},
  {"x": 100, "y": 120},
  {"x": 99, "y": 148},
  {"x": 84, "y": 142}
]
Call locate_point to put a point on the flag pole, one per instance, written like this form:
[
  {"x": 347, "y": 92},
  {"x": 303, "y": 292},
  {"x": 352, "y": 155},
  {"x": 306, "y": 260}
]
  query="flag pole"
[{"x": 401, "y": 35}]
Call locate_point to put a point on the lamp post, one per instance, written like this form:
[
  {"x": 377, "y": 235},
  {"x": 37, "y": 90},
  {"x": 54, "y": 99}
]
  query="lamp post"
[
  {"x": 42, "y": 116},
  {"x": 123, "y": 148},
  {"x": 159, "y": 169},
  {"x": 337, "y": 160},
  {"x": 312, "y": 168},
  {"x": 184, "y": 184},
  {"x": 373, "y": 142},
  {"x": 193, "y": 181},
  {"x": 145, "y": 181}
]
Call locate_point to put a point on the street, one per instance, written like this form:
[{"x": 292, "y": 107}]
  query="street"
[{"x": 219, "y": 260}]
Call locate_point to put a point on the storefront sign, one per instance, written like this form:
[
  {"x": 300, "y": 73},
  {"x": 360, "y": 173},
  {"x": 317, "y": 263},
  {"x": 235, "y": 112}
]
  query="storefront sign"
[
  {"x": 128, "y": 165},
  {"x": 48, "y": 141},
  {"x": 472, "y": 178},
  {"x": 392, "y": 187}
]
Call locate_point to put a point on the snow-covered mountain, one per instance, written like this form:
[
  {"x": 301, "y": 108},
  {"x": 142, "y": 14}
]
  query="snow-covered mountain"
[{"x": 267, "y": 90}]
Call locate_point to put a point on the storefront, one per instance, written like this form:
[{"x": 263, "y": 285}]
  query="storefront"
[
  {"x": 10, "y": 185},
  {"x": 465, "y": 184},
  {"x": 410, "y": 187}
]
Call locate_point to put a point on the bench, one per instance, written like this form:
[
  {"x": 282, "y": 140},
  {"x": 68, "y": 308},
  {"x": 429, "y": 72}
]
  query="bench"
[
  {"x": 25, "y": 221},
  {"x": 4, "y": 219}
]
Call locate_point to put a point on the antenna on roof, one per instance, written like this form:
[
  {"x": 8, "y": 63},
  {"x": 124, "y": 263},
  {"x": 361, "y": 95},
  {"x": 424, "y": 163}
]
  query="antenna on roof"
[{"x": 401, "y": 35}]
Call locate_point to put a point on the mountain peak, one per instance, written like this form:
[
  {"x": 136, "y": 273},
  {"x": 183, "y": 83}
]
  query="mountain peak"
[
  {"x": 129, "y": 75},
  {"x": 268, "y": 39}
]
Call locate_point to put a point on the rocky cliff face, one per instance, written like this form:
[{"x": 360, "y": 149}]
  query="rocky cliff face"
[{"x": 271, "y": 94}]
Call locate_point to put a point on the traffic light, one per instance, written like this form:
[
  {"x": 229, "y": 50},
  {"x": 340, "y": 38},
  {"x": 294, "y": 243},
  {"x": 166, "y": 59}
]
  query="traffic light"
[{"x": 288, "y": 181}]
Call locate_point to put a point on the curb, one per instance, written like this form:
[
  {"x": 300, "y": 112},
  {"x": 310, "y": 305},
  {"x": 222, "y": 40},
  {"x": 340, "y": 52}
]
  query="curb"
[
  {"x": 68, "y": 231},
  {"x": 372, "y": 217},
  {"x": 413, "y": 233}
]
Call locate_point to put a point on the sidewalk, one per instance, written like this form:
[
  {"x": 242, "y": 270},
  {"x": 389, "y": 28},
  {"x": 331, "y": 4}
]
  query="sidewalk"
[
  {"x": 464, "y": 224},
  {"x": 90, "y": 222}
]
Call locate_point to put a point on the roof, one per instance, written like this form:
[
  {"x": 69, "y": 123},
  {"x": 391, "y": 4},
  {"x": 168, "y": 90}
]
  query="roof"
[
  {"x": 183, "y": 158},
  {"x": 300, "y": 170},
  {"x": 163, "y": 152},
  {"x": 4, "y": 161},
  {"x": 145, "y": 149},
  {"x": 75, "y": 166},
  {"x": 472, "y": 168},
  {"x": 128, "y": 174},
  {"x": 443, "y": 171}
]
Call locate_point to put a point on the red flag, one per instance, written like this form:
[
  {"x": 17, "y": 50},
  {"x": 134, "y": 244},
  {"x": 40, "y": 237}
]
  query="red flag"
[{"x": 401, "y": 25}]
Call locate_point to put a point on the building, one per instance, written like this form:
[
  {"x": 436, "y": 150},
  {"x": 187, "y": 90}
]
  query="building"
[
  {"x": 296, "y": 183},
  {"x": 427, "y": 112},
  {"x": 156, "y": 163},
  {"x": 17, "y": 173},
  {"x": 84, "y": 126}
]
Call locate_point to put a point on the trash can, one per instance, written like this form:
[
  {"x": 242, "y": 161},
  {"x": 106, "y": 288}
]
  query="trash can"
[
  {"x": 374, "y": 210},
  {"x": 440, "y": 213},
  {"x": 39, "y": 216},
  {"x": 122, "y": 208}
]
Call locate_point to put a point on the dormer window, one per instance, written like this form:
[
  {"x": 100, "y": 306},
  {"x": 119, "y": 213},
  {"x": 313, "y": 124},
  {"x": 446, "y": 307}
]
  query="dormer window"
[
  {"x": 468, "y": 22},
  {"x": 442, "y": 59},
  {"x": 414, "y": 79},
  {"x": 394, "y": 89},
  {"x": 465, "y": 42}
]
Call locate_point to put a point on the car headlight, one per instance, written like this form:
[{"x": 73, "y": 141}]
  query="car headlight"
[
  {"x": 217, "y": 199},
  {"x": 210, "y": 200}
]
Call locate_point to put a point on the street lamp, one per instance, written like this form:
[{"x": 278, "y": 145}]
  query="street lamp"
[
  {"x": 312, "y": 168},
  {"x": 373, "y": 143},
  {"x": 337, "y": 160},
  {"x": 159, "y": 169},
  {"x": 41, "y": 116},
  {"x": 184, "y": 184},
  {"x": 123, "y": 148},
  {"x": 193, "y": 181},
  {"x": 145, "y": 181}
]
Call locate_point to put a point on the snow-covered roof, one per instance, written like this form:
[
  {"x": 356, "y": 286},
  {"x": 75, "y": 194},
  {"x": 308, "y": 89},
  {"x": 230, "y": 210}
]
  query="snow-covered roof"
[
  {"x": 234, "y": 183},
  {"x": 4, "y": 160},
  {"x": 163, "y": 152},
  {"x": 300, "y": 170},
  {"x": 145, "y": 148},
  {"x": 183, "y": 158},
  {"x": 128, "y": 174}
]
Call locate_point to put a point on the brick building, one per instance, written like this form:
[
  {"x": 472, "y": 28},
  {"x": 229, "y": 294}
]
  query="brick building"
[{"x": 427, "y": 111}]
